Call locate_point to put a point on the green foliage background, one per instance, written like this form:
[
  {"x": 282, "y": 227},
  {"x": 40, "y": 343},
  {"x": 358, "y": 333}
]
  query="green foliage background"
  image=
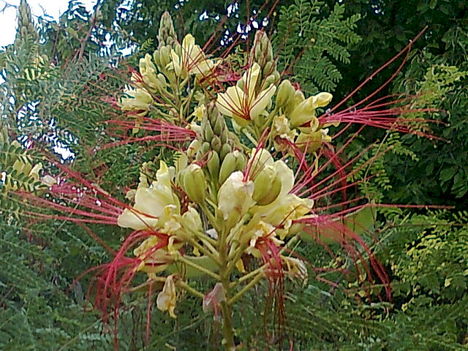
[{"x": 55, "y": 77}]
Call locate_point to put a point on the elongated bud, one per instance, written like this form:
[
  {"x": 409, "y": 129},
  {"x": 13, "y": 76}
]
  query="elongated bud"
[
  {"x": 285, "y": 93},
  {"x": 207, "y": 131},
  {"x": 219, "y": 126},
  {"x": 205, "y": 147},
  {"x": 262, "y": 53},
  {"x": 216, "y": 143},
  {"x": 267, "y": 186},
  {"x": 225, "y": 149},
  {"x": 195, "y": 183},
  {"x": 241, "y": 160},
  {"x": 322, "y": 99},
  {"x": 166, "y": 35},
  {"x": 213, "y": 165},
  {"x": 227, "y": 167}
]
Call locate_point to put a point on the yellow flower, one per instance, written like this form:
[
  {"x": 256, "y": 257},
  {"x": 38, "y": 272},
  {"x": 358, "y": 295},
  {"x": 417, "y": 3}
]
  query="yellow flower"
[
  {"x": 149, "y": 74},
  {"x": 167, "y": 298},
  {"x": 311, "y": 141},
  {"x": 137, "y": 100},
  {"x": 150, "y": 202},
  {"x": 199, "y": 112},
  {"x": 242, "y": 101},
  {"x": 283, "y": 211},
  {"x": 282, "y": 129},
  {"x": 153, "y": 262},
  {"x": 286, "y": 207},
  {"x": 235, "y": 197},
  {"x": 192, "y": 59},
  {"x": 304, "y": 112}
]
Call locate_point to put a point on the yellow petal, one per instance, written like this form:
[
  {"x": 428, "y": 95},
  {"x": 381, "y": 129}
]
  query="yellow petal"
[
  {"x": 231, "y": 102},
  {"x": 262, "y": 101},
  {"x": 235, "y": 197}
]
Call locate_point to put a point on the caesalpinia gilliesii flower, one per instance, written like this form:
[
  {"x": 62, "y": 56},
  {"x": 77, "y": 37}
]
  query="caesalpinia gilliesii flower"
[
  {"x": 296, "y": 120},
  {"x": 191, "y": 59},
  {"x": 217, "y": 208},
  {"x": 244, "y": 102},
  {"x": 264, "y": 198}
]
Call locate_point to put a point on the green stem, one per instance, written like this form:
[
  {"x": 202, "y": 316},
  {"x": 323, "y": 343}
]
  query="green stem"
[
  {"x": 204, "y": 251},
  {"x": 245, "y": 289},
  {"x": 228, "y": 330},
  {"x": 199, "y": 268},
  {"x": 189, "y": 289}
]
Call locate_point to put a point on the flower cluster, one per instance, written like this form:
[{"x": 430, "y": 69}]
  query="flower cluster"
[{"x": 241, "y": 188}]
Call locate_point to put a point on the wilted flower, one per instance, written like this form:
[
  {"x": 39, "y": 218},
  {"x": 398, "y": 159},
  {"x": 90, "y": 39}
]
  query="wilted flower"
[{"x": 167, "y": 298}]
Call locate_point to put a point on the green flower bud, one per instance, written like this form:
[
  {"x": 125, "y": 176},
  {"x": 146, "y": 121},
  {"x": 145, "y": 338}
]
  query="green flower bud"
[
  {"x": 225, "y": 149},
  {"x": 205, "y": 148},
  {"x": 241, "y": 160},
  {"x": 267, "y": 186},
  {"x": 219, "y": 126},
  {"x": 268, "y": 68},
  {"x": 228, "y": 166},
  {"x": 207, "y": 131},
  {"x": 322, "y": 99},
  {"x": 166, "y": 35},
  {"x": 285, "y": 93},
  {"x": 213, "y": 165},
  {"x": 216, "y": 143},
  {"x": 195, "y": 183}
]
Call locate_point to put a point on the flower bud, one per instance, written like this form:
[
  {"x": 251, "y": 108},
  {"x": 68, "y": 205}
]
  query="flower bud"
[
  {"x": 241, "y": 160},
  {"x": 227, "y": 167},
  {"x": 303, "y": 113},
  {"x": 193, "y": 148},
  {"x": 267, "y": 186},
  {"x": 205, "y": 147},
  {"x": 216, "y": 143},
  {"x": 213, "y": 165},
  {"x": 166, "y": 34},
  {"x": 195, "y": 183},
  {"x": 207, "y": 131},
  {"x": 322, "y": 99},
  {"x": 219, "y": 127},
  {"x": 225, "y": 149},
  {"x": 285, "y": 93}
]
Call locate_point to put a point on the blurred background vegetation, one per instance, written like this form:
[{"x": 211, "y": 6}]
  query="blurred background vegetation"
[{"x": 58, "y": 80}]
